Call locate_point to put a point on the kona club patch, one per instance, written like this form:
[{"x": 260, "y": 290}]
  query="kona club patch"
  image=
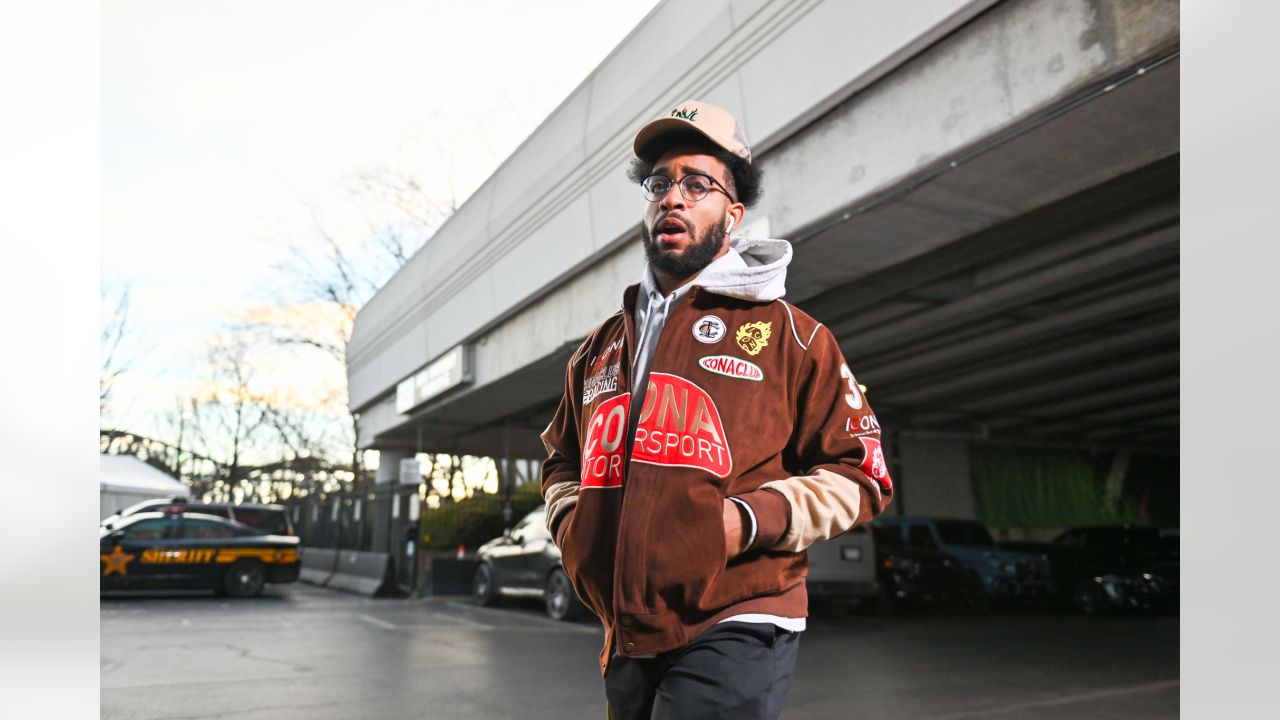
[
  {"x": 602, "y": 456},
  {"x": 680, "y": 426},
  {"x": 732, "y": 367},
  {"x": 873, "y": 463}
]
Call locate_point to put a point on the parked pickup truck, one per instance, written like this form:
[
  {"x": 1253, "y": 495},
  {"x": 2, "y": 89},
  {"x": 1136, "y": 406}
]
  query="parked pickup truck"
[{"x": 1005, "y": 574}]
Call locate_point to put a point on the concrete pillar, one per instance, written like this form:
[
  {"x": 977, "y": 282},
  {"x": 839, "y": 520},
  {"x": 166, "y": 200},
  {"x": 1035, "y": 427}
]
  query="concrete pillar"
[
  {"x": 936, "y": 478},
  {"x": 384, "y": 486}
]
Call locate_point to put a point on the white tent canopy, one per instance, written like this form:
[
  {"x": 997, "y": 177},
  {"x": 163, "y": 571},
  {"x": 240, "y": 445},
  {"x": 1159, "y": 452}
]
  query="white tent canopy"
[{"x": 125, "y": 480}]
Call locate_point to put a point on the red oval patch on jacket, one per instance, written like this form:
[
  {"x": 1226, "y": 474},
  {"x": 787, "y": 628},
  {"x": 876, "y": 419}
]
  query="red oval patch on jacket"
[
  {"x": 680, "y": 426},
  {"x": 603, "y": 454}
]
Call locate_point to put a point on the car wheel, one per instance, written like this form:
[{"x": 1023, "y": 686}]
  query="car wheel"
[
  {"x": 1089, "y": 599},
  {"x": 887, "y": 603},
  {"x": 482, "y": 589},
  {"x": 979, "y": 601},
  {"x": 562, "y": 602},
  {"x": 244, "y": 578}
]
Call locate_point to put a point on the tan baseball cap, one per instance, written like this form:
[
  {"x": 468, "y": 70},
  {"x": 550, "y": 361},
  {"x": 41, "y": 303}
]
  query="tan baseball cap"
[{"x": 714, "y": 123}]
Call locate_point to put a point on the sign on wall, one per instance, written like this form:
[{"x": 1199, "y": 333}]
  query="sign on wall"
[
  {"x": 447, "y": 372},
  {"x": 410, "y": 472}
]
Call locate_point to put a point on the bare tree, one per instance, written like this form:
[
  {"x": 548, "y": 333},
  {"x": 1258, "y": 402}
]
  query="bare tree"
[
  {"x": 177, "y": 424},
  {"x": 235, "y": 410},
  {"x": 115, "y": 328},
  {"x": 400, "y": 216}
]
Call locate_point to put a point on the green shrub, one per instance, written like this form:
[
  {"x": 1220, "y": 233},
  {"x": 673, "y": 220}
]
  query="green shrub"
[{"x": 475, "y": 520}]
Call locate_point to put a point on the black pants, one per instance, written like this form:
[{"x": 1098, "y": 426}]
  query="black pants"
[{"x": 733, "y": 670}]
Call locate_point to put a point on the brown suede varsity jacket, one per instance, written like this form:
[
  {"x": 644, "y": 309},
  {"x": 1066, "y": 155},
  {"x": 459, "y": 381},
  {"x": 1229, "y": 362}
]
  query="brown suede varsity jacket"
[{"x": 746, "y": 399}]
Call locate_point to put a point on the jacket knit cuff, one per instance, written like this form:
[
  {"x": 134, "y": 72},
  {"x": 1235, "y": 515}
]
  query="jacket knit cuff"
[
  {"x": 561, "y": 524},
  {"x": 773, "y": 516}
]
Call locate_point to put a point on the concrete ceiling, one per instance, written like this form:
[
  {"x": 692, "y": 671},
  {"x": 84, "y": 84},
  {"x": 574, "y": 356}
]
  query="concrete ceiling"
[
  {"x": 1058, "y": 322},
  {"x": 1059, "y": 326}
]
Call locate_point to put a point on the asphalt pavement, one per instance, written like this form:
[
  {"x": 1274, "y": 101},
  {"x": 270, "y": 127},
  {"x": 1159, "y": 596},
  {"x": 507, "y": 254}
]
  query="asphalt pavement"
[{"x": 305, "y": 653}]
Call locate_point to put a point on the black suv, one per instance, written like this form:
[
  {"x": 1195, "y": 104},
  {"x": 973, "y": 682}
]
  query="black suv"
[
  {"x": 1114, "y": 567},
  {"x": 270, "y": 519},
  {"x": 525, "y": 562},
  {"x": 912, "y": 575}
]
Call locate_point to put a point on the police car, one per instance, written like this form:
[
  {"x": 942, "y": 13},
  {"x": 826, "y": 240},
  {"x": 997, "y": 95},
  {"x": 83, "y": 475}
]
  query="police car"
[
  {"x": 270, "y": 519},
  {"x": 155, "y": 550}
]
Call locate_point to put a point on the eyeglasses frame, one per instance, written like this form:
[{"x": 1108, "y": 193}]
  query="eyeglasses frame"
[{"x": 715, "y": 185}]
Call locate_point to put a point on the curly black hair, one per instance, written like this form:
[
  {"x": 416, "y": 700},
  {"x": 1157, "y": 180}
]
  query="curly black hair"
[{"x": 744, "y": 178}]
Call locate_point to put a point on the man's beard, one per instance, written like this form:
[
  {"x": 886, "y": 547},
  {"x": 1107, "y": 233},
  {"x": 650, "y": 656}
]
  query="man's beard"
[{"x": 695, "y": 257}]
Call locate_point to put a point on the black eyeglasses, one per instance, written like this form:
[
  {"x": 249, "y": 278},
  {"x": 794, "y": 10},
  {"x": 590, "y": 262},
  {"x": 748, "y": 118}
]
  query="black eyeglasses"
[{"x": 693, "y": 187}]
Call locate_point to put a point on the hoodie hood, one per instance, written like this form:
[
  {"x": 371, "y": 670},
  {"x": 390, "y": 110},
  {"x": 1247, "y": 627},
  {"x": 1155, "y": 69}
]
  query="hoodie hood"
[{"x": 754, "y": 269}]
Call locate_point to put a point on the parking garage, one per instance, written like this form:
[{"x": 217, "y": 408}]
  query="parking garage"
[{"x": 983, "y": 203}]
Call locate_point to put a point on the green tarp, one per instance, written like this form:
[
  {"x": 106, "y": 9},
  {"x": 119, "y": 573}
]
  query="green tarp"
[{"x": 1040, "y": 488}]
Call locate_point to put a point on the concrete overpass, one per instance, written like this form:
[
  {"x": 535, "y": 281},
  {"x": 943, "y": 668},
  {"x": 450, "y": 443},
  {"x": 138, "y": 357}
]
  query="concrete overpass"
[{"x": 983, "y": 199}]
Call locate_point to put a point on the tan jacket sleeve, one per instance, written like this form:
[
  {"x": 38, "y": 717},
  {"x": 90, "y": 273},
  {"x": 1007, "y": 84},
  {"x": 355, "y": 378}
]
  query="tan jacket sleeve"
[{"x": 845, "y": 480}]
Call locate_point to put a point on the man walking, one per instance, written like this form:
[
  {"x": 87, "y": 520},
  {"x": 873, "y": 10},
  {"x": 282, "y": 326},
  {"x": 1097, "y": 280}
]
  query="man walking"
[{"x": 709, "y": 432}]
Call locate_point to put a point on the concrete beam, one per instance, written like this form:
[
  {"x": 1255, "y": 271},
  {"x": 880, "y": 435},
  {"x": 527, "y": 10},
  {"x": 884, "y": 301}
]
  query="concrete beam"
[
  {"x": 1094, "y": 269},
  {"x": 1130, "y": 304},
  {"x": 1000, "y": 372},
  {"x": 1080, "y": 383},
  {"x": 1098, "y": 407},
  {"x": 1097, "y": 216},
  {"x": 1137, "y": 418}
]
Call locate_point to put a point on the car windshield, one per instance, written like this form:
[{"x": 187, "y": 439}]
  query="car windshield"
[
  {"x": 887, "y": 536},
  {"x": 266, "y": 520},
  {"x": 205, "y": 529},
  {"x": 147, "y": 527},
  {"x": 959, "y": 532},
  {"x": 144, "y": 506},
  {"x": 120, "y": 524}
]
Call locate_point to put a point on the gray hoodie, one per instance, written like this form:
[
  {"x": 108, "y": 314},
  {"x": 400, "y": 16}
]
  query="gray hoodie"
[{"x": 753, "y": 269}]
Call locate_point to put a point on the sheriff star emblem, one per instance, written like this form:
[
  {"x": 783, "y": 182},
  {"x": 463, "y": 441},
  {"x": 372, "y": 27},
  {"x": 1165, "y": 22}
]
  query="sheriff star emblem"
[
  {"x": 117, "y": 561},
  {"x": 754, "y": 336}
]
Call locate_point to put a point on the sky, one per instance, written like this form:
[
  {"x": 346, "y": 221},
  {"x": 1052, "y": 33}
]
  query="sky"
[{"x": 230, "y": 128}]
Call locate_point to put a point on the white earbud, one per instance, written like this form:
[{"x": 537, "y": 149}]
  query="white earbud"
[{"x": 729, "y": 225}]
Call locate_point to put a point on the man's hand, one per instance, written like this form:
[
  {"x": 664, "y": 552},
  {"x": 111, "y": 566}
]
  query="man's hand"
[{"x": 732, "y": 527}]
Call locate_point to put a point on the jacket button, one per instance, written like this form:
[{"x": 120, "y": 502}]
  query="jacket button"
[
  {"x": 626, "y": 621},
  {"x": 629, "y": 647}
]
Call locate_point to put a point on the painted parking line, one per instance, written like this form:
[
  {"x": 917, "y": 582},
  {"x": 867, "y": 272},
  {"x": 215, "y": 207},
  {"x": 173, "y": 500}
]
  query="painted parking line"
[
  {"x": 1061, "y": 700},
  {"x": 376, "y": 621},
  {"x": 558, "y": 625},
  {"x": 464, "y": 621}
]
